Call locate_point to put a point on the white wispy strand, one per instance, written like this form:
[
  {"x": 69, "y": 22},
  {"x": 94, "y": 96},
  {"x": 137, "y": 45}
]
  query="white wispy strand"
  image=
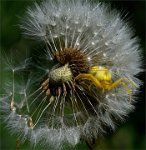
[{"x": 95, "y": 30}]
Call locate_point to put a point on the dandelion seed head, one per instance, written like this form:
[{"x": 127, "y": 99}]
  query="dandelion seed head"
[
  {"x": 91, "y": 83},
  {"x": 62, "y": 74}
]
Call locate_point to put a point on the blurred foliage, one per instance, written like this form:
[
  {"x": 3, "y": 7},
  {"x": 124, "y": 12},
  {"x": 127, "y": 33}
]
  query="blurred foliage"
[{"x": 129, "y": 135}]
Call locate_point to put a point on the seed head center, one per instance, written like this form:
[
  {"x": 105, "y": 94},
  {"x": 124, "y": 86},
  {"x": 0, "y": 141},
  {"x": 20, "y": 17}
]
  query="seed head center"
[{"x": 61, "y": 74}]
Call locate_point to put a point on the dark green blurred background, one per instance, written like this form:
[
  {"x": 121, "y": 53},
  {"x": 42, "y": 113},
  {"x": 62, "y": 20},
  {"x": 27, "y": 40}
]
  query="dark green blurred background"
[{"x": 129, "y": 135}]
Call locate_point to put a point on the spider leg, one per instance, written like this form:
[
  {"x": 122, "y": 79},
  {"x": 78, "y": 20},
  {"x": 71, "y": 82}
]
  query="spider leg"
[
  {"x": 127, "y": 89},
  {"x": 114, "y": 84},
  {"x": 124, "y": 85},
  {"x": 132, "y": 84},
  {"x": 120, "y": 80},
  {"x": 89, "y": 77}
]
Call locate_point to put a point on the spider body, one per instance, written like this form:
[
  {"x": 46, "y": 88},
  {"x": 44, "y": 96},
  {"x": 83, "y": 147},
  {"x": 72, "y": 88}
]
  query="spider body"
[{"x": 101, "y": 78}]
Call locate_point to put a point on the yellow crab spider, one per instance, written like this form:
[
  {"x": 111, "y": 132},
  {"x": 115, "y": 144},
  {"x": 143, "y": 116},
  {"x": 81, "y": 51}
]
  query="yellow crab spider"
[{"x": 102, "y": 78}]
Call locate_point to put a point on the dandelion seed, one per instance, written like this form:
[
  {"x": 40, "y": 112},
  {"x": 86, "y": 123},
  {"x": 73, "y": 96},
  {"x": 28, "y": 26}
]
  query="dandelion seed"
[{"x": 95, "y": 59}]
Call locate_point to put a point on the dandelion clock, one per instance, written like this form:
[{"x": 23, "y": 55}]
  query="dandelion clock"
[{"x": 83, "y": 81}]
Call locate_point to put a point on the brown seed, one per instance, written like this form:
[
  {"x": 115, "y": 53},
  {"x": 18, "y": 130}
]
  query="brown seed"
[
  {"x": 46, "y": 82},
  {"x": 48, "y": 92}
]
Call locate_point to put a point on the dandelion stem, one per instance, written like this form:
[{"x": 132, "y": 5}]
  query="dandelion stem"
[
  {"x": 13, "y": 82},
  {"x": 54, "y": 109},
  {"x": 42, "y": 113},
  {"x": 39, "y": 106},
  {"x": 25, "y": 98},
  {"x": 82, "y": 103}
]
